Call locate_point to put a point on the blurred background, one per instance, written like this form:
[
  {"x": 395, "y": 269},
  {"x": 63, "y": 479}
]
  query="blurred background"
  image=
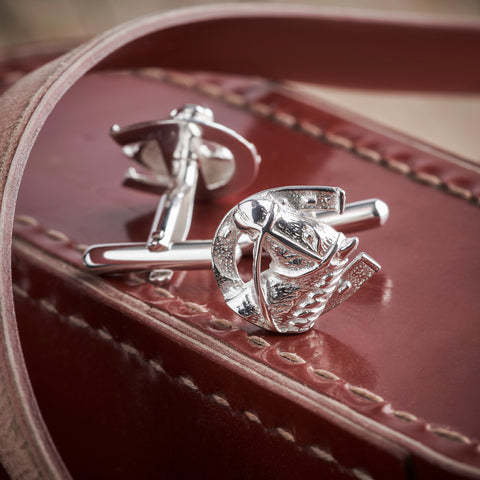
[
  {"x": 450, "y": 122},
  {"x": 26, "y": 20}
]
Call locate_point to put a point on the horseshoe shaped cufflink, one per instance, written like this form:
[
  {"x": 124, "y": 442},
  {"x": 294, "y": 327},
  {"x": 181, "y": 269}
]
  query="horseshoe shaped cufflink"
[
  {"x": 308, "y": 269},
  {"x": 300, "y": 266}
]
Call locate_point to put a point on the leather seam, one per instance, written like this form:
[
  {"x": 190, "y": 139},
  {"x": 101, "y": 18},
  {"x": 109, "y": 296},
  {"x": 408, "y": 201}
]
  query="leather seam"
[
  {"x": 219, "y": 397},
  {"x": 259, "y": 342},
  {"x": 309, "y": 128},
  {"x": 263, "y": 109},
  {"x": 376, "y": 157}
]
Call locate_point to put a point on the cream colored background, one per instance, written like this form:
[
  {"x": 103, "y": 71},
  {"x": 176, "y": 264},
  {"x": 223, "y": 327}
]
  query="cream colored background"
[{"x": 451, "y": 122}]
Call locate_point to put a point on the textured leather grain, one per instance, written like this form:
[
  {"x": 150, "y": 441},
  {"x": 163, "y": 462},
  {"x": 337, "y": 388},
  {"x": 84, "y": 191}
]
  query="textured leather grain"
[{"x": 380, "y": 387}]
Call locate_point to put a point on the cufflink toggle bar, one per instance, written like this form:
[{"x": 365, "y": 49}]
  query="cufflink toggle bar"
[{"x": 290, "y": 228}]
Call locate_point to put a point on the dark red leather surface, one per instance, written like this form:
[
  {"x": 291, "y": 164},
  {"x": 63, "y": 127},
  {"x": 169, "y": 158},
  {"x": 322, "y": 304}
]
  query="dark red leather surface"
[
  {"x": 405, "y": 346},
  {"x": 298, "y": 44},
  {"x": 122, "y": 400},
  {"x": 345, "y": 50}
]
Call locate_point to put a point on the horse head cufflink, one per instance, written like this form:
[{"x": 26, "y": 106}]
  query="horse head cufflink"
[
  {"x": 299, "y": 262},
  {"x": 308, "y": 269}
]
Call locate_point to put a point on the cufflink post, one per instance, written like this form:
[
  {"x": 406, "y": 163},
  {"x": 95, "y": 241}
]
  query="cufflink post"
[
  {"x": 175, "y": 154},
  {"x": 196, "y": 254},
  {"x": 291, "y": 228}
]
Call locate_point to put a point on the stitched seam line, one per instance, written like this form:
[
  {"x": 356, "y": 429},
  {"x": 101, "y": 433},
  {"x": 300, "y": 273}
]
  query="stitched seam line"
[
  {"x": 264, "y": 110},
  {"x": 309, "y": 128},
  {"x": 219, "y": 398},
  {"x": 259, "y": 342}
]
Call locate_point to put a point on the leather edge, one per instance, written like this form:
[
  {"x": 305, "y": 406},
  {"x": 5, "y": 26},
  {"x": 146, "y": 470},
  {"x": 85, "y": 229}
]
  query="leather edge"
[{"x": 38, "y": 95}]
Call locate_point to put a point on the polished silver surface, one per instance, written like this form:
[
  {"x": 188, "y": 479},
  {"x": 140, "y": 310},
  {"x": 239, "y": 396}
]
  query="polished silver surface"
[
  {"x": 174, "y": 155},
  {"x": 127, "y": 257},
  {"x": 358, "y": 215},
  {"x": 134, "y": 257},
  {"x": 227, "y": 162},
  {"x": 308, "y": 271},
  {"x": 300, "y": 266},
  {"x": 173, "y": 217}
]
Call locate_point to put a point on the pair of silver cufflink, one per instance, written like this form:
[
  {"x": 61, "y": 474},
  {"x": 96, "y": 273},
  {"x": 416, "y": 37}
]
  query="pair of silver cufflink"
[{"x": 300, "y": 266}]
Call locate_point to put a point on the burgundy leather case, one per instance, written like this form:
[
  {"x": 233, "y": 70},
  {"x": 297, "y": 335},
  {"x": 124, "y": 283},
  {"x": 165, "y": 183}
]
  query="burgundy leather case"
[{"x": 131, "y": 380}]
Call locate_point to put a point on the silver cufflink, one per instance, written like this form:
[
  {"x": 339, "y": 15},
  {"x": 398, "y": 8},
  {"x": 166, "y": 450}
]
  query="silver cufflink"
[
  {"x": 299, "y": 262},
  {"x": 181, "y": 158}
]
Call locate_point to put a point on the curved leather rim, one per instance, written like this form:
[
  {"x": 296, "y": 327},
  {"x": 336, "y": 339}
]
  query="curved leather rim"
[{"x": 379, "y": 60}]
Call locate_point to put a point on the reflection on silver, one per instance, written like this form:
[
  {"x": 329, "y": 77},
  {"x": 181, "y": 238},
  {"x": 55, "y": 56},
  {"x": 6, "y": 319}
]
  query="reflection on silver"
[
  {"x": 196, "y": 254},
  {"x": 357, "y": 215},
  {"x": 132, "y": 257},
  {"x": 175, "y": 154},
  {"x": 308, "y": 273}
]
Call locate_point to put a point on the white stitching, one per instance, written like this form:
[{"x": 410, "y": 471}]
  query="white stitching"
[
  {"x": 291, "y": 357},
  {"x": 156, "y": 365},
  {"x": 327, "y": 375},
  {"x": 340, "y": 141},
  {"x": 79, "y": 321},
  {"x": 187, "y": 381},
  {"x": 252, "y": 416},
  {"x": 220, "y": 399},
  {"x": 366, "y": 394},
  {"x": 451, "y": 435},
  {"x": 196, "y": 307},
  {"x": 56, "y": 235},
  {"x": 161, "y": 291},
  {"x": 257, "y": 341},
  {"x": 26, "y": 220},
  {"x": 360, "y": 474},
  {"x": 429, "y": 178},
  {"x": 409, "y": 417},
  {"x": 50, "y": 233},
  {"x": 223, "y": 323},
  {"x": 285, "y": 434}
]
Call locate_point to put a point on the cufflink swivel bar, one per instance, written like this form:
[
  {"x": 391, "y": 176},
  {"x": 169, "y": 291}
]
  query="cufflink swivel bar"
[
  {"x": 175, "y": 152},
  {"x": 185, "y": 156},
  {"x": 308, "y": 272},
  {"x": 196, "y": 254}
]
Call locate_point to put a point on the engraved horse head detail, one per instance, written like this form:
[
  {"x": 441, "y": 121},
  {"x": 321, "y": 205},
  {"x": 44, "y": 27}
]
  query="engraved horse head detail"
[{"x": 307, "y": 257}]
